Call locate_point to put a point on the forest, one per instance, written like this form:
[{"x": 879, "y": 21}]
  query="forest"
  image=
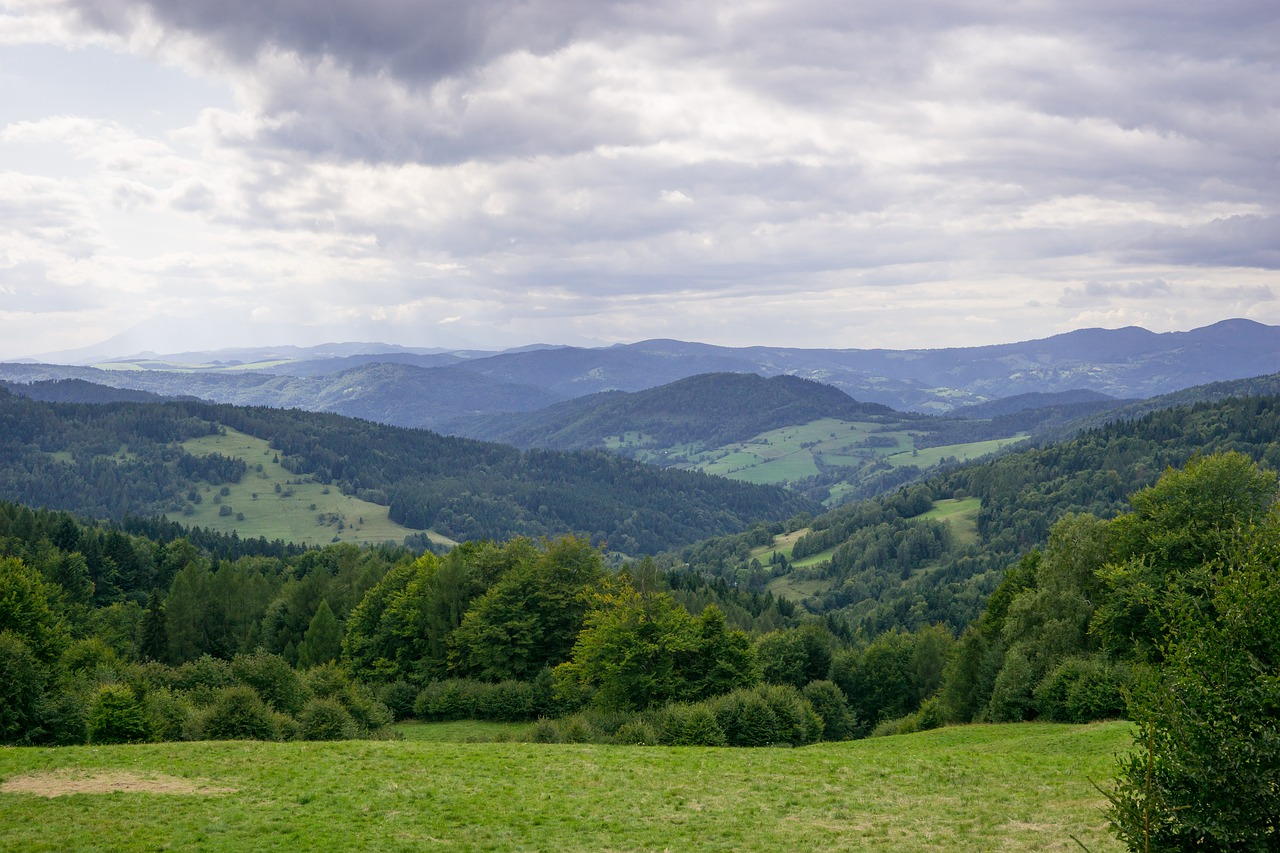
[
  {"x": 1118, "y": 574},
  {"x": 109, "y": 461}
]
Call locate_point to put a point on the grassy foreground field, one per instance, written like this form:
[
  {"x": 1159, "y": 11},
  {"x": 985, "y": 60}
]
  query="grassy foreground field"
[{"x": 1008, "y": 787}]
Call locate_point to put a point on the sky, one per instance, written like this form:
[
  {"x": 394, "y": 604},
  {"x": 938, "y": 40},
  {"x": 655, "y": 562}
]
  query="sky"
[{"x": 184, "y": 174}]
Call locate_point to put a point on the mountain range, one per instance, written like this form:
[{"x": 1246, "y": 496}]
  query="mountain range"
[{"x": 448, "y": 391}]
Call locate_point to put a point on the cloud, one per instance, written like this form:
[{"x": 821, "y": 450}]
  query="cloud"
[{"x": 807, "y": 170}]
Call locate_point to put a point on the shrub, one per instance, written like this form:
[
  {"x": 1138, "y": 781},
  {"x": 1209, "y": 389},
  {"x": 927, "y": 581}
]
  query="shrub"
[
  {"x": 271, "y": 678},
  {"x": 442, "y": 700},
  {"x": 1011, "y": 695},
  {"x": 399, "y": 697},
  {"x": 638, "y": 733},
  {"x": 238, "y": 713},
  {"x": 166, "y": 714},
  {"x": 932, "y": 714},
  {"x": 690, "y": 725},
  {"x": 204, "y": 678},
  {"x": 325, "y": 719},
  {"x": 545, "y": 730},
  {"x": 116, "y": 716},
  {"x": 829, "y": 702}
]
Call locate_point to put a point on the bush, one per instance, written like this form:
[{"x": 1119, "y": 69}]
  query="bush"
[
  {"x": 166, "y": 714},
  {"x": 238, "y": 713},
  {"x": 638, "y": 733},
  {"x": 204, "y": 678},
  {"x": 690, "y": 725},
  {"x": 1011, "y": 695},
  {"x": 325, "y": 719},
  {"x": 545, "y": 730},
  {"x": 271, "y": 678},
  {"x": 329, "y": 681},
  {"x": 504, "y": 702},
  {"x": 116, "y": 716},
  {"x": 441, "y": 701},
  {"x": 829, "y": 703},
  {"x": 65, "y": 718},
  {"x": 932, "y": 714},
  {"x": 399, "y": 698}
]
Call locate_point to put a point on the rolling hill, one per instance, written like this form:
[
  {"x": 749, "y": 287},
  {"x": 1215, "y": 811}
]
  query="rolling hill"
[{"x": 107, "y": 461}]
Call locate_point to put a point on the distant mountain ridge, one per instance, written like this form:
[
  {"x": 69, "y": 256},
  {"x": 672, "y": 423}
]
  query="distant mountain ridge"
[
  {"x": 715, "y": 408},
  {"x": 415, "y": 388}
]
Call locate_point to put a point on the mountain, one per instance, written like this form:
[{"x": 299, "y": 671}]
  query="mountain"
[
  {"x": 80, "y": 391},
  {"x": 712, "y": 409},
  {"x": 391, "y": 393},
  {"x": 1122, "y": 363}
]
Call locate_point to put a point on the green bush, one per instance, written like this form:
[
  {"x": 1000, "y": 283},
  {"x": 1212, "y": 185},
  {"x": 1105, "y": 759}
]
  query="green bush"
[
  {"x": 1080, "y": 690},
  {"x": 204, "y": 678},
  {"x": 638, "y": 733},
  {"x": 1011, "y": 699},
  {"x": 325, "y": 719},
  {"x": 271, "y": 678},
  {"x": 690, "y": 725},
  {"x": 116, "y": 716},
  {"x": 441, "y": 701},
  {"x": 238, "y": 713},
  {"x": 399, "y": 697},
  {"x": 829, "y": 703},
  {"x": 545, "y": 730},
  {"x": 166, "y": 713}
]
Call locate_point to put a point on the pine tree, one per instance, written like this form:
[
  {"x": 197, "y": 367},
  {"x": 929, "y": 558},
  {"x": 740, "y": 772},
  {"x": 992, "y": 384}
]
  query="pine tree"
[
  {"x": 153, "y": 639},
  {"x": 323, "y": 640}
]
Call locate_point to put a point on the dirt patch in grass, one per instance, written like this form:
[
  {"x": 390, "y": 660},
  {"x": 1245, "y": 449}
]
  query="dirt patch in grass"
[{"x": 58, "y": 783}]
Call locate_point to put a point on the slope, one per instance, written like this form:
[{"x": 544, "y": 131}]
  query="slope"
[{"x": 110, "y": 460}]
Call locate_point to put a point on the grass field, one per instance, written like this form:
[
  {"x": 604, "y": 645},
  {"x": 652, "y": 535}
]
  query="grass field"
[
  {"x": 974, "y": 788},
  {"x": 960, "y": 515},
  {"x": 961, "y": 452},
  {"x": 301, "y": 511},
  {"x": 793, "y": 453}
]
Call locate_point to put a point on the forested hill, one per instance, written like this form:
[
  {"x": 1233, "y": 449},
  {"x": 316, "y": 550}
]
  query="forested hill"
[
  {"x": 712, "y": 408},
  {"x": 108, "y": 461},
  {"x": 934, "y": 551}
]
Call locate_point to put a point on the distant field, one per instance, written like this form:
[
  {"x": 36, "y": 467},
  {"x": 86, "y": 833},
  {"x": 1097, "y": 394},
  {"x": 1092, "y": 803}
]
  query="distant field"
[
  {"x": 961, "y": 515},
  {"x": 961, "y": 452},
  {"x": 275, "y": 504},
  {"x": 1023, "y": 787},
  {"x": 793, "y": 453}
]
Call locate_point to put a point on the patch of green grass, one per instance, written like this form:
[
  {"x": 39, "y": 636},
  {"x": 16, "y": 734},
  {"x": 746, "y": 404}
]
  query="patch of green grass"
[
  {"x": 1024, "y": 787},
  {"x": 961, "y": 452},
  {"x": 279, "y": 504},
  {"x": 462, "y": 731},
  {"x": 960, "y": 515}
]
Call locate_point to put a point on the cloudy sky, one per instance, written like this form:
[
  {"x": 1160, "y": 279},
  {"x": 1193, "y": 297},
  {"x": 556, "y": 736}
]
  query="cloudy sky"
[{"x": 200, "y": 173}]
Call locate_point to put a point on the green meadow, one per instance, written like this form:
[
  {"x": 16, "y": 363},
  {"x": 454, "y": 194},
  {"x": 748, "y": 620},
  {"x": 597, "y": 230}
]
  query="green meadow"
[
  {"x": 796, "y": 452},
  {"x": 1014, "y": 787},
  {"x": 273, "y": 502}
]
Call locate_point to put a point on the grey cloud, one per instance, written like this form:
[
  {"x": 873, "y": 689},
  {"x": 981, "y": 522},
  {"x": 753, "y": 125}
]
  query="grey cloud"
[
  {"x": 416, "y": 39},
  {"x": 1094, "y": 294},
  {"x": 1236, "y": 241}
]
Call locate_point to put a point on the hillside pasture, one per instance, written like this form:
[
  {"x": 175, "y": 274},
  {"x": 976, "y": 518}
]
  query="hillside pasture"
[
  {"x": 1007, "y": 787},
  {"x": 278, "y": 504}
]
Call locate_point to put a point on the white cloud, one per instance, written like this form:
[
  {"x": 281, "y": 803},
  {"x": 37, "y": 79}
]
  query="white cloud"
[{"x": 813, "y": 173}]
